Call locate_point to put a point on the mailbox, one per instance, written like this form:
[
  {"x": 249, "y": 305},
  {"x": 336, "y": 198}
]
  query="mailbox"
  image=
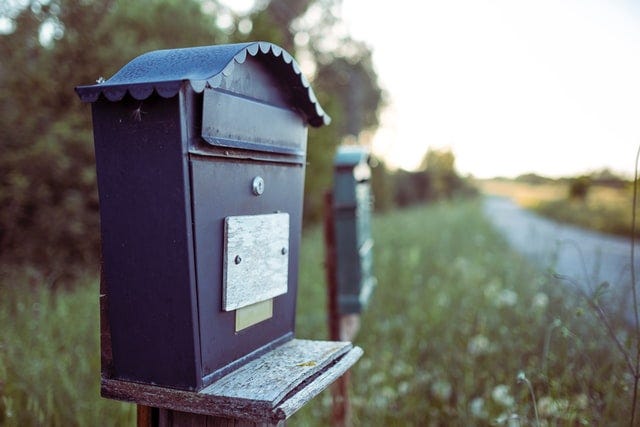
[
  {"x": 352, "y": 202},
  {"x": 200, "y": 158}
]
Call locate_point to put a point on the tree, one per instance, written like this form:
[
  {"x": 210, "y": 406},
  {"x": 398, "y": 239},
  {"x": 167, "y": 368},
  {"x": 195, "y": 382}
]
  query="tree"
[
  {"x": 440, "y": 166},
  {"x": 579, "y": 188},
  {"x": 381, "y": 185}
]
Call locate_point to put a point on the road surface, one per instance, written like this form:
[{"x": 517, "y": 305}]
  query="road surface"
[{"x": 588, "y": 258}]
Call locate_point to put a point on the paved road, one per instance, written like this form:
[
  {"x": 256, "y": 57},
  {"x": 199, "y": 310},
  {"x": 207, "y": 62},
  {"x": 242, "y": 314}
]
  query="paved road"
[{"x": 588, "y": 257}]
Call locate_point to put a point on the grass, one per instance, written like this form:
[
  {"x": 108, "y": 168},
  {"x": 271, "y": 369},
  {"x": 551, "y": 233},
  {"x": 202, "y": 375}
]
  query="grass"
[
  {"x": 455, "y": 319},
  {"x": 49, "y": 356}
]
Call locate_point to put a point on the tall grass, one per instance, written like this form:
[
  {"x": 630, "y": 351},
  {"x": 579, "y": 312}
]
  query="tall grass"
[
  {"x": 454, "y": 320},
  {"x": 49, "y": 357}
]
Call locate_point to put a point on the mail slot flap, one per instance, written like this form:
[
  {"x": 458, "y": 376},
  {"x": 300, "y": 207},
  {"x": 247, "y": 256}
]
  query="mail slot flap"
[{"x": 233, "y": 121}]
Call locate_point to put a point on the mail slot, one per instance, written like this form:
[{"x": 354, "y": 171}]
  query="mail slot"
[
  {"x": 200, "y": 158},
  {"x": 352, "y": 203}
]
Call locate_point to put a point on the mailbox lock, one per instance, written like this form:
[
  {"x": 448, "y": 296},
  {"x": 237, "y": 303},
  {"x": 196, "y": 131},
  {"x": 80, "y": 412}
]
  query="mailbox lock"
[{"x": 258, "y": 185}]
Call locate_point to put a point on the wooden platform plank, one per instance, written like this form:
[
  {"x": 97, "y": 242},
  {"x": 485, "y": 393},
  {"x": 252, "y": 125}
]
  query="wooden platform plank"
[
  {"x": 268, "y": 389},
  {"x": 325, "y": 379},
  {"x": 270, "y": 377}
]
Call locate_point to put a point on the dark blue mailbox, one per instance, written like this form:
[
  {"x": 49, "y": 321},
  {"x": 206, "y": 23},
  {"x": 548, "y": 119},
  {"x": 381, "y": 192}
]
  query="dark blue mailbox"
[
  {"x": 200, "y": 156},
  {"x": 352, "y": 202}
]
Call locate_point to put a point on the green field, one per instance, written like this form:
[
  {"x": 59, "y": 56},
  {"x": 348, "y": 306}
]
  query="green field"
[{"x": 456, "y": 317}]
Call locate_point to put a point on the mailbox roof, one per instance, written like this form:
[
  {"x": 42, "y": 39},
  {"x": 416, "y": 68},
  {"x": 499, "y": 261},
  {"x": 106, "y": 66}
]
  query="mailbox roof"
[
  {"x": 163, "y": 71},
  {"x": 351, "y": 155}
]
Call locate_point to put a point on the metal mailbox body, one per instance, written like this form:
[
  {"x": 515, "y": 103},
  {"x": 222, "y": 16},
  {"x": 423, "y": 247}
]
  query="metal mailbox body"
[
  {"x": 352, "y": 202},
  {"x": 200, "y": 157}
]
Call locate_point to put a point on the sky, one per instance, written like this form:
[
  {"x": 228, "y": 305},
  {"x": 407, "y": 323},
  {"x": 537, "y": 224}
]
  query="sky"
[{"x": 510, "y": 86}]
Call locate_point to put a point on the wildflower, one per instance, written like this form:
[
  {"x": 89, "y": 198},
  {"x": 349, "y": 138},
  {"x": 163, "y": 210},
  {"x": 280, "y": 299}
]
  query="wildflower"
[
  {"x": 442, "y": 390},
  {"x": 581, "y": 401},
  {"x": 506, "y": 298},
  {"x": 401, "y": 369},
  {"x": 476, "y": 407},
  {"x": 550, "y": 407},
  {"x": 522, "y": 378},
  {"x": 492, "y": 288},
  {"x": 403, "y": 388},
  {"x": 377, "y": 378},
  {"x": 478, "y": 345},
  {"x": 500, "y": 395},
  {"x": 442, "y": 300},
  {"x": 510, "y": 420},
  {"x": 540, "y": 301}
]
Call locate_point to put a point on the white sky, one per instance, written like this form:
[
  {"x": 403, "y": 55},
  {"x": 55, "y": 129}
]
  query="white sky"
[{"x": 511, "y": 86}]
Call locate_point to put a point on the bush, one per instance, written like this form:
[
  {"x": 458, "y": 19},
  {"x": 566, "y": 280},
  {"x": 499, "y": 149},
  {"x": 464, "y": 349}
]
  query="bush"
[{"x": 579, "y": 188}]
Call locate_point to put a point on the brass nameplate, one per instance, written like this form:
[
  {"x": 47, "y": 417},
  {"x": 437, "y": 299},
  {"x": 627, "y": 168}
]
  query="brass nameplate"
[
  {"x": 256, "y": 259},
  {"x": 254, "y": 313}
]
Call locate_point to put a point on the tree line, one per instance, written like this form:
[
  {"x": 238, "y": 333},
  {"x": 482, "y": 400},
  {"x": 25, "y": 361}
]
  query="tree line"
[{"x": 436, "y": 179}]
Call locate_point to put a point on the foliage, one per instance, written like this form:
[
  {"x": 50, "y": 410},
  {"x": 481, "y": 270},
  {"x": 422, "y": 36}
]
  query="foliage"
[
  {"x": 604, "y": 208},
  {"x": 382, "y": 186},
  {"x": 437, "y": 179},
  {"x": 532, "y": 178},
  {"x": 611, "y": 219},
  {"x": 48, "y": 195},
  {"x": 47, "y": 177},
  {"x": 579, "y": 188}
]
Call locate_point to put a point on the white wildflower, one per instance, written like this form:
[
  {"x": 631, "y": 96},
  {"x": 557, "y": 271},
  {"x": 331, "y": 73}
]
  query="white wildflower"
[
  {"x": 492, "y": 288},
  {"x": 510, "y": 420},
  {"x": 476, "y": 407},
  {"x": 501, "y": 395},
  {"x": 506, "y": 298},
  {"x": 377, "y": 378},
  {"x": 550, "y": 407},
  {"x": 581, "y": 401},
  {"x": 540, "y": 301},
  {"x": 478, "y": 345},
  {"x": 442, "y": 390},
  {"x": 403, "y": 388}
]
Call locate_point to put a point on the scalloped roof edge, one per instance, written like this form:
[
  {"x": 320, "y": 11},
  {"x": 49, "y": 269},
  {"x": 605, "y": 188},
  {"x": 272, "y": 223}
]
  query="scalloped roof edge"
[{"x": 163, "y": 71}]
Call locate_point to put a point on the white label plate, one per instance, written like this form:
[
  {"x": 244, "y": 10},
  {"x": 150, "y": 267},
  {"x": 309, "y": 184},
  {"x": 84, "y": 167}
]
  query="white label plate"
[{"x": 256, "y": 259}]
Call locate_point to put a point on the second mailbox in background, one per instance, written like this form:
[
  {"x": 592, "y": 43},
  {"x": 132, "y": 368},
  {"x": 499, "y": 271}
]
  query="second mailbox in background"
[{"x": 352, "y": 205}]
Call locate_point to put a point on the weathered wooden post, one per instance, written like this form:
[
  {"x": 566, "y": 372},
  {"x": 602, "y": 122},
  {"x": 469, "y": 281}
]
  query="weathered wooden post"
[
  {"x": 349, "y": 257},
  {"x": 200, "y": 157}
]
